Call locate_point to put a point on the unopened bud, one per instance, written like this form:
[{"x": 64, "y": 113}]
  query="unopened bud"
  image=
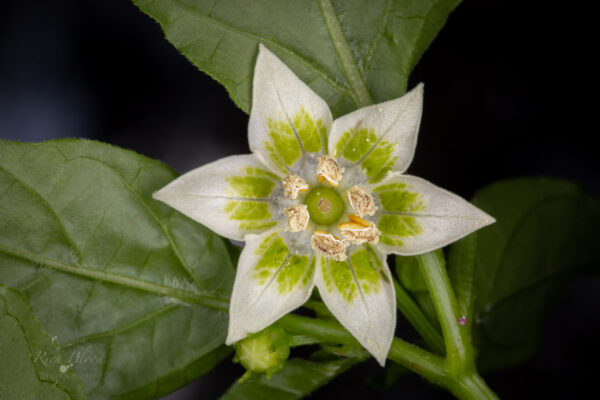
[{"x": 264, "y": 352}]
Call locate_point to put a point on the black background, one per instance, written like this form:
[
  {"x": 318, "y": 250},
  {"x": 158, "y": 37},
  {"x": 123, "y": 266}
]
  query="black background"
[{"x": 509, "y": 92}]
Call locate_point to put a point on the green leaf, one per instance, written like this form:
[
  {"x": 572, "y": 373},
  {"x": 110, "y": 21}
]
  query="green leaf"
[
  {"x": 545, "y": 235},
  {"x": 134, "y": 292},
  {"x": 32, "y": 365},
  {"x": 298, "y": 379},
  {"x": 351, "y": 52}
]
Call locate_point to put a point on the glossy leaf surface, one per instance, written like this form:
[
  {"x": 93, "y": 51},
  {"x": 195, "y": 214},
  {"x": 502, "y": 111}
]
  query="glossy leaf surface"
[
  {"x": 135, "y": 293},
  {"x": 351, "y": 53}
]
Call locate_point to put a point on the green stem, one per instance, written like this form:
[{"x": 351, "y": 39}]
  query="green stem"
[
  {"x": 418, "y": 320},
  {"x": 458, "y": 351},
  {"x": 424, "y": 363},
  {"x": 472, "y": 387},
  {"x": 414, "y": 358}
]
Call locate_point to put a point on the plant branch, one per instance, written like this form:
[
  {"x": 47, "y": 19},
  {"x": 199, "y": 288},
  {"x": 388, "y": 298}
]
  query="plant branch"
[
  {"x": 418, "y": 320},
  {"x": 458, "y": 350}
]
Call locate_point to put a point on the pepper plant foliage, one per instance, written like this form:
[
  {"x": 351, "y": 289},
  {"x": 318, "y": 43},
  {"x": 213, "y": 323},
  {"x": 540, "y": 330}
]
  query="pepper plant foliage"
[{"x": 108, "y": 293}]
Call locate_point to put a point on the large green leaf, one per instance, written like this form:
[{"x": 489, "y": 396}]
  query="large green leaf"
[
  {"x": 350, "y": 52},
  {"x": 32, "y": 365},
  {"x": 298, "y": 379},
  {"x": 134, "y": 292},
  {"x": 546, "y": 234}
]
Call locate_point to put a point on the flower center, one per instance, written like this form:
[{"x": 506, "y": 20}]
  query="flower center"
[{"x": 325, "y": 205}]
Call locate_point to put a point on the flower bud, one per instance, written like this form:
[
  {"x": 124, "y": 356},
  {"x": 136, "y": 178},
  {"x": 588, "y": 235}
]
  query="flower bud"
[{"x": 264, "y": 352}]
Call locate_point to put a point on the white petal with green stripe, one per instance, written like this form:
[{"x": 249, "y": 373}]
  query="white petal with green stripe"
[
  {"x": 287, "y": 120},
  {"x": 415, "y": 216},
  {"x": 270, "y": 282},
  {"x": 360, "y": 294},
  {"x": 233, "y": 196},
  {"x": 380, "y": 138}
]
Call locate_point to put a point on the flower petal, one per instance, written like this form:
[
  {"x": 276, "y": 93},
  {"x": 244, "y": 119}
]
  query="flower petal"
[
  {"x": 360, "y": 295},
  {"x": 287, "y": 118},
  {"x": 270, "y": 282},
  {"x": 232, "y": 196},
  {"x": 381, "y": 137},
  {"x": 416, "y": 216}
]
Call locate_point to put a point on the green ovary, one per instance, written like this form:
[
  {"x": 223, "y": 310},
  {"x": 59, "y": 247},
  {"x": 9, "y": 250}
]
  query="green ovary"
[{"x": 325, "y": 205}]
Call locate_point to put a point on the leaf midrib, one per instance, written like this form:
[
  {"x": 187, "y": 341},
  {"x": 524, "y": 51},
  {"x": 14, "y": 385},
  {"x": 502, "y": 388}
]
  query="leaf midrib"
[
  {"x": 362, "y": 97},
  {"x": 184, "y": 296},
  {"x": 317, "y": 70}
]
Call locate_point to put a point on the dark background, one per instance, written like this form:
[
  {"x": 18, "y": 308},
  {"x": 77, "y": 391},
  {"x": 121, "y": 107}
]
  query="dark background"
[{"x": 508, "y": 94}]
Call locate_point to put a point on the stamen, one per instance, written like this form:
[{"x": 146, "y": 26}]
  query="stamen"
[
  {"x": 329, "y": 171},
  {"x": 292, "y": 185},
  {"x": 329, "y": 245},
  {"x": 297, "y": 217},
  {"x": 361, "y": 201},
  {"x": 359, "y": 230}
]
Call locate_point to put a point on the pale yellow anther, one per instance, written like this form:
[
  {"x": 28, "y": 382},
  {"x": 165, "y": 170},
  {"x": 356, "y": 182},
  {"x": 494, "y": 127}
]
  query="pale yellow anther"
[
  {"x": 329, "y": 245},
  {"x": 297, "y": 217},
  {"x": 359, "y": 230},
  {"x": 361, "y": 201},
  {"x": 292, "y": 185},
  {"x": 329, "y": 171}
]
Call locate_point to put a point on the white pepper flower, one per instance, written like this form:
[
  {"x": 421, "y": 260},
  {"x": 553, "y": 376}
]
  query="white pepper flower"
[{"x": 321, "y": 203}]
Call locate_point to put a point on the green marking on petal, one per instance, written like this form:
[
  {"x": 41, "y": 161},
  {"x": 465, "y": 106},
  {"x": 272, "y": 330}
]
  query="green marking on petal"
[
  {"x": 265, "y": 243},
  {"x": 399, "y": 225},
  {"x": 253, "y": 187},
  {"x": 395, "y": 197},
  {"x": 253, "y": 171},
  {"x": 274, "y": 252},
  {"x": 367, "y": 271},
  {"x": 284, "y": 140},
  {"x": 274, "y": 157},
  {"x": 247, "y": 210},
  {"x": 359, "y": 144},
  {"x": 309, "y": 131},
  {"x": 342, "y": 143},
  {"x": 391, "y": 241},
  {"x": 324, "y": 136},
  {"x": 356, "y": 144},
  {"x": 327, "y": 279},
  {"x": 309, "y": 272},
  {"x": 257, "y": 225},
  {"x": 291, "y": 273},
  {"x": 342, "y": 278},
  {"x": 379, "y": 161},
  {"x": 284, "y": 148}
]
